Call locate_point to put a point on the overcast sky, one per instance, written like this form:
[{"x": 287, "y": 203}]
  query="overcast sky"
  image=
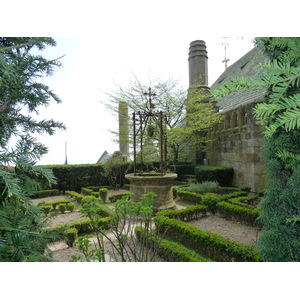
[
  {"x": 89, "y": 72},
  {"x": 105, "y": 42}
]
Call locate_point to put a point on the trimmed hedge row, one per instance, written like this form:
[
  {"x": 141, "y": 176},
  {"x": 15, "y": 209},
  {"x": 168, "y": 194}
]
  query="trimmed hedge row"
[
  {"x": 74, "y": 177},
  {"x": 190, "y": 213},
  {"x": 46, "y": 193},
  {"x": 76, "y": 196},
  {"x": 205, "y": 243},
  {"x": 223, "y": 175},
  {"x": 169, "y": 250},
  {"x": 83, "y": 226},
  {"x": 245, "y": 215},
  {"x": 115, "y": 197}
]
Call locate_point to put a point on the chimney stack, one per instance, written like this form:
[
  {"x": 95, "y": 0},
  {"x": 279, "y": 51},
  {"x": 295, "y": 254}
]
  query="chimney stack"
[{"x": 198, "y": 71}]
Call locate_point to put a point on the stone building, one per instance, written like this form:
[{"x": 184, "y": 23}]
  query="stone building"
[{"x": 237, "y": 140}]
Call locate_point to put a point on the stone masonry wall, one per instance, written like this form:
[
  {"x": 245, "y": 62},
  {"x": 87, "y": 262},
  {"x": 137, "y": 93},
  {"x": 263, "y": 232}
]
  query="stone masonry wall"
[{"x": 237, "y": 143}]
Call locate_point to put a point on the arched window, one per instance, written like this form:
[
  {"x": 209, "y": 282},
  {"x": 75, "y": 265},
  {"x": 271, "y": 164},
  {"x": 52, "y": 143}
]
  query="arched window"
[
  {"x": 243, "y": 118},
  {"x": 234, "y": 121}
]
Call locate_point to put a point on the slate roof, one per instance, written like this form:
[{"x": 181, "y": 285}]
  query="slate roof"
[{"x": 245, "y": 66}]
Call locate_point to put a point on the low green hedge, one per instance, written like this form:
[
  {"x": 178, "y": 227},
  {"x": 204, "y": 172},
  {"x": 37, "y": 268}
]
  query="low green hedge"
[
  {"x": 223, "y": 175},
  {"x": 115, "y": 197},
  {"x": 86, "y": 191},
  {"x": 83, "y": 226},
  {"x": 205, "y": 243},
  {"x": 245, "y": 215},
  {"x": 190, "y": 213},
  {"x": 169, "y": 250},
  {"x": 76, "y": 196},
  {"x": 189, "y": 197},
  {"x": 46, "y": 193}
]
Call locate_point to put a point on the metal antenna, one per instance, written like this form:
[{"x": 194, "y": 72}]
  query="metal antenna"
[{"x": 225, "y": 44}]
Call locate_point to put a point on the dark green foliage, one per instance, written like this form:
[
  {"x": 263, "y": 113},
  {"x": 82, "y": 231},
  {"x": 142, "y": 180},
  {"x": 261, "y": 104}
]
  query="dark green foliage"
[
  {"x": 210, "y": 200},
  {"x": 74, "y": 195},
  {"x": 223, "y": 175},
  {"x": 46, "y": 193},
  {"x": 281, "y": 201},
  {"x": 247, "y": 215},
  {"x": 189, "y": 197},
  {"x": 119, "y": 196},
  {"x": 192, "y": 212},
  {"x": 75, "y": 177},
  {"x": 21, "y": 95}
]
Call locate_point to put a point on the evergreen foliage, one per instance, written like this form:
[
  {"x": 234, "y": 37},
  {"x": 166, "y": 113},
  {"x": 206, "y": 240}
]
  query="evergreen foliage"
[
  {"x": 20, "y": 222},
  {"x": 279, "y": 114}
]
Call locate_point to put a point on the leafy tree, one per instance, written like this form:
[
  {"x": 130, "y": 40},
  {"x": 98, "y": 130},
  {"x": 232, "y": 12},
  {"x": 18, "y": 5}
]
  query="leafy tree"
[
  {"x": 279, "y": 115},
  {"x": 173, "y": 100},
  {"x": 20, "y": 222}
]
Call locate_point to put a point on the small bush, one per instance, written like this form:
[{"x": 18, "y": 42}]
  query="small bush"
[
  {"x": 245, "y": 188},
  {"x": 62, "y": 207},
  {"x": 71, "y": 235},
  {"x": 223, "y": 175},
  {"x": 210, "y": 200},
  {"x": 204, "y": 187},
  {"x": 46, "y": 208},
  {"x": 115, "y": 197},
  {"x": 77, "y": 197},
  {"x": 86, "y": 191},
  {"x": 103, "y": 194},
  {"x": 70, "y": 206},
  {"x": 189, "y": 197}
]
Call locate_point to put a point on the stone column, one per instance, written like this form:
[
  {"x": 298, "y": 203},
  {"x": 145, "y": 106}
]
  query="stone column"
[{"x": 123, "y": 128}]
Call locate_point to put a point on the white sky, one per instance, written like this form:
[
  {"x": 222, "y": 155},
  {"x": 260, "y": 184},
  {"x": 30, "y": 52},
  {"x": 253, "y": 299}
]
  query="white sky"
[{"x": 105, "y": 42}]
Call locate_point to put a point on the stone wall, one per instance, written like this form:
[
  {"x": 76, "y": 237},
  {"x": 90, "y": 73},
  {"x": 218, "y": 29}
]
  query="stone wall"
[{"x": 237, "y": 143}]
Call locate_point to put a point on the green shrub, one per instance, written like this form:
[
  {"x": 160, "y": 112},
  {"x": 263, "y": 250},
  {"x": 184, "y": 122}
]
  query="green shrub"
[
  {"x": 191, "y": 212},
  {"x": 74, "y": 177},
  {"x": 245, "y": 215},
  {"x": 70, "y": 206},
  {"x": 46, "y": 208},
  {"x": 71, "y": 235},
  {"x": 204, "y": 187},
  {"x": 95, "y": 194},
  {"x": 46, "y": 193},
  {"x": 205, "y": 243},
  {"x": 170, "y": 250},
  {"x": 103, "y": 194},
  {"x": 245, "y": 188},
  {"x": 189, "y": 197},
  {"x": 62, "y": 207},
  {"x": 115, "y": 197},
  {"x": 74, "y": 195},
  {"x": 223, "y": 175},
  {"x": 86, "y": 191},
  {"x": 210, "y": 200}
]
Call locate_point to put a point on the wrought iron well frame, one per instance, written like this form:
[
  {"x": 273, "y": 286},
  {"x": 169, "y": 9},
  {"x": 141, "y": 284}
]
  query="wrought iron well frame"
[{"x": 139, "y": 127}]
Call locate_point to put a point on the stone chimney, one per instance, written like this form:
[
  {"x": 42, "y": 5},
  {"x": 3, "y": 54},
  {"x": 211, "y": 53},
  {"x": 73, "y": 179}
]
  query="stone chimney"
[
  {"x": 198, "y": 71},
  {"x": 124, "y": 129}
]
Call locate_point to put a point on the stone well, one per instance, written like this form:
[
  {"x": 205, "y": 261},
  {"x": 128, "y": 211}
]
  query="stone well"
[{"x": 160, "y": 185}]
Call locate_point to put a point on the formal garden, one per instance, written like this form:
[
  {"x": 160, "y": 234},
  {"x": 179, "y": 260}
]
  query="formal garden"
[
  {"x": 91, "y": 208},
  {"x": 91, "y": 221}
]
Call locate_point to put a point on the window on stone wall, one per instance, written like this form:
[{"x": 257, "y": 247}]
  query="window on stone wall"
[
  {"x": 227, "y": 121},
  {"x": 243, "y": 118},
  {"x": 234, "y": 121}
]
